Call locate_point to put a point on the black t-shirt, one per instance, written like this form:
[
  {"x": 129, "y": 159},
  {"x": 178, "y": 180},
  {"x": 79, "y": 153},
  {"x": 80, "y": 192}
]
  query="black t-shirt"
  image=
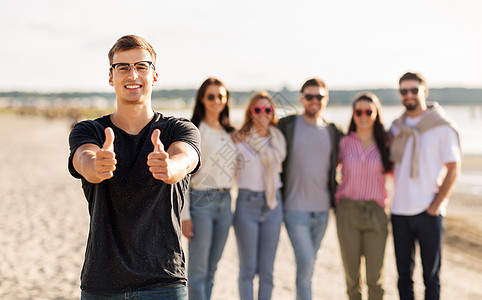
[{"x": 135, "y": 233}]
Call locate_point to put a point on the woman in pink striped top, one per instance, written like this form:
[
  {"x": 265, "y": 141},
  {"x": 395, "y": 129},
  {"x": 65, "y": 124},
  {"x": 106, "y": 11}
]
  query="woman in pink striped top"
[{"x": 361, "y": 197}]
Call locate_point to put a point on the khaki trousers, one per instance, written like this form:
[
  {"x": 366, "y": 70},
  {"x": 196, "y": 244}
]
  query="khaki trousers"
[{"x": 362, "y": 231}]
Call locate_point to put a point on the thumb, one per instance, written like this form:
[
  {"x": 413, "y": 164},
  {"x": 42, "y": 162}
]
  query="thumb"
[
  {"x": 156, "y": 141},
  {"x": 109, "y": 139}
]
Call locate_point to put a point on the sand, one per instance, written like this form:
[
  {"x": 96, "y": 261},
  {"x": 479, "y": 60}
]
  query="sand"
[{"x": 44, "y": 224}]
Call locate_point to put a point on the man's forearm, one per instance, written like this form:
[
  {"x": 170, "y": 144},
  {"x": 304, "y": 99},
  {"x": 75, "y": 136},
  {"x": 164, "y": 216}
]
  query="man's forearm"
[
  {"x": 182, "y": 164},
  {"x": 445, "y": 190},
  {"x": 84, "y": 164}
]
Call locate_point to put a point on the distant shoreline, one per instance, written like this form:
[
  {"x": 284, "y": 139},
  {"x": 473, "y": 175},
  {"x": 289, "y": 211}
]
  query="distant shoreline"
[{"x": 388, "y": 96}]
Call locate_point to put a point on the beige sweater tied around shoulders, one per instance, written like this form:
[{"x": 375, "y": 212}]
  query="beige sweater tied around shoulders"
[
  {"x": 271, "y": 155},
  {"x": 435, "y": 117}
]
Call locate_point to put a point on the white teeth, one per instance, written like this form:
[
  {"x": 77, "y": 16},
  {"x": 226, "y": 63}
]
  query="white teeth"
[{"x": 133, "y": 86}]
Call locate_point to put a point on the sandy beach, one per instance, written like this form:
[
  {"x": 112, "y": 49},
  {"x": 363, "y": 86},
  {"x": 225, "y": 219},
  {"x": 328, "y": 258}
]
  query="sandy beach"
[{"x": 44, "y": 224}]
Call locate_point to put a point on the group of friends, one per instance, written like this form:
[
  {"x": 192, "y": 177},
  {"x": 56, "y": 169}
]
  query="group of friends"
[{"x": 150, "y": 178}]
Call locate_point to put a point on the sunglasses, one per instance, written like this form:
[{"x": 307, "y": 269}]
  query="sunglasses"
[
  {"x": 405, "y": 91},
  {"x": 359, "y": 112},
  {"x": 310, "y": 97},
  {"x": 211, "y": 97},
  {"x": 257, "y": 109}
]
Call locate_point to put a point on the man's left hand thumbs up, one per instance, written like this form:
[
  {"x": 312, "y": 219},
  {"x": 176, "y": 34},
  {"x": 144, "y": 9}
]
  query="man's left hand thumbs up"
[{"x": 158, "y": 159}]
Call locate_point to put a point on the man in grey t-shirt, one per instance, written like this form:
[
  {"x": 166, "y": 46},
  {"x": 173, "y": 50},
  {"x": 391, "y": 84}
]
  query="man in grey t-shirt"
[{"x": 308, "y": 179}]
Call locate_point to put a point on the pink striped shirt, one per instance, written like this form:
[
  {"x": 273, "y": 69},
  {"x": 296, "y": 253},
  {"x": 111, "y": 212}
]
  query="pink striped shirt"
[{"x": 362, "y": 172}]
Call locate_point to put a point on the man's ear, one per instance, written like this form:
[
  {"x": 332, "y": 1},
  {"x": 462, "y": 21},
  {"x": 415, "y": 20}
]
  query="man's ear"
[
  {"x": 111, "y": 80},
  {"x": 425, "y": 92},
  {"x": 324, "y": 102}
]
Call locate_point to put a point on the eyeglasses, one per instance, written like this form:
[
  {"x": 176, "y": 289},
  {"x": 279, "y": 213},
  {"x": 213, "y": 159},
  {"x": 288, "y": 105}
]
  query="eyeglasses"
[
  {"x": 405, "y": 91},
  {"x": 310, "y": 97},
  {"x": 141, "y": 67},
  {"x": 257, "y": 109},
  {"x": 359, "y": 112},
  {"x": 211, "y": 97}
]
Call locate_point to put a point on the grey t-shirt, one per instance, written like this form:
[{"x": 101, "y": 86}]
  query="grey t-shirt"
[{"x": 307, "y": 181}]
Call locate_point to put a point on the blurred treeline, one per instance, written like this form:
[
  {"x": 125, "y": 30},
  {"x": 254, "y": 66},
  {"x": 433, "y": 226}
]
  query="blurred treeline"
[
  {"x": 81, "y": 105},
  {"x": 185, "y": 97}
]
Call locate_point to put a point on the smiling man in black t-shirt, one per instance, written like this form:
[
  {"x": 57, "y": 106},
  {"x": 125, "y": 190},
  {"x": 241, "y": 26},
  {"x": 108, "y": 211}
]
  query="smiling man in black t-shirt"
[{"x": 134, "y": 165}]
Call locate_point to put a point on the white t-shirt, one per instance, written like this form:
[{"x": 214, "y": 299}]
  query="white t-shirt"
[
  {"x": 437, "y": 147},
  {"x": 218, "y": 156},
  {"x": 250, "y": 169}
]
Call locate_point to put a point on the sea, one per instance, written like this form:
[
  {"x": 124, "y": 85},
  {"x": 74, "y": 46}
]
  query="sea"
[{"x": 468, "y": 119}]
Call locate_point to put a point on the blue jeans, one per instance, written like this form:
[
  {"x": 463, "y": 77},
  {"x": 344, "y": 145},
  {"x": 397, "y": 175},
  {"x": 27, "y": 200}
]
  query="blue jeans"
[
  {"x": 177, "y": 292},
  {"x": 306, "y": 230},
  {"x": 257, "y": 231},
  {"x": 428, "y": 230},
  {"x": 211, "y": 219}
]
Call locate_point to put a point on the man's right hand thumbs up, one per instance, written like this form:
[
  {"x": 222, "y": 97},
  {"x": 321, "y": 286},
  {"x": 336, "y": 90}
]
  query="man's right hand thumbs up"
[{"x": 105, "y": 161}]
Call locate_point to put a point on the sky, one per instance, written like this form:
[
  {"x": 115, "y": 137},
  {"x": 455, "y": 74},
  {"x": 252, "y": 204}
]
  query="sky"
[{"x": 62, "y": 45}]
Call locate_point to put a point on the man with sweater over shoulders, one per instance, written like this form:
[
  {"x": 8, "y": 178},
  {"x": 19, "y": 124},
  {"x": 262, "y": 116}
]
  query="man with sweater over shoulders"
[
  {"x": 427, "y": 155},
  {"x": 308, "y": 177},
  {"x": 134, "y": 165}
]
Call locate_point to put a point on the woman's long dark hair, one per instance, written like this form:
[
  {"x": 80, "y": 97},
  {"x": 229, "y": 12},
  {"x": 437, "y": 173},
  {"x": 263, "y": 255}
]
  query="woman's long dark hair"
[
  {"x": 382, "y": 138},
  {"x": 199, "y": 111}
]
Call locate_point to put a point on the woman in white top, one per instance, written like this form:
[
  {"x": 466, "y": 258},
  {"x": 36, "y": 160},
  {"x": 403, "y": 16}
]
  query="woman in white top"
[
  {"x": 258, "y": 215},
  {"x": 207, "y": 215}
]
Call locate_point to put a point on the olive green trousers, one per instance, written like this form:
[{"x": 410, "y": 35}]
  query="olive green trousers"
[{"x": 362, "y": 232}]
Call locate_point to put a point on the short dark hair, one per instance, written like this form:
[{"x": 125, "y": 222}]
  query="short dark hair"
[
  {"x": 313, "y": 82},
  {"x": 129, "y": 42},
  {"x": 413, "y": 76}
]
